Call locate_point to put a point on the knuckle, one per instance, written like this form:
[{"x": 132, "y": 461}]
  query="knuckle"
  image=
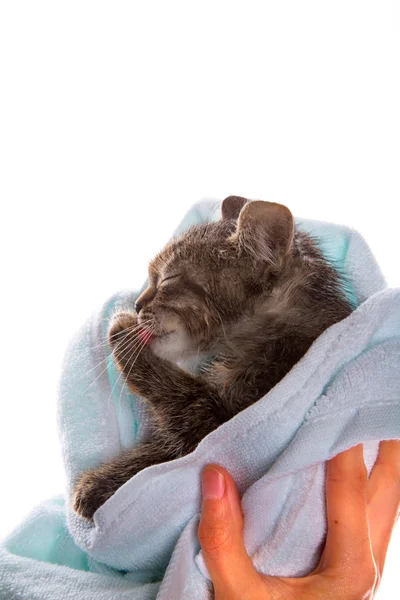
[
  {"x": 390, "y": 473},
  {"x": 356, "y": 479},
  {"x": 359, "y": 483},
  {"x": 360, "y": 474},
  {"x": 213, "y": 539}
]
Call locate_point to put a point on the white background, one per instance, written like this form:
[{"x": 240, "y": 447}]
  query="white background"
[{"x": 115, "y": 117}]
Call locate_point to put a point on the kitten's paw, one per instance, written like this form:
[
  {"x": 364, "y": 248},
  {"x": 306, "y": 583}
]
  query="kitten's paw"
[
  {"x": 123, "y": 322},
  {"x": 90, "y": 493}
]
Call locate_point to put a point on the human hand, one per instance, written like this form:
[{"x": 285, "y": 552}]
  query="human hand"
[{"x": 361, "y": 515}]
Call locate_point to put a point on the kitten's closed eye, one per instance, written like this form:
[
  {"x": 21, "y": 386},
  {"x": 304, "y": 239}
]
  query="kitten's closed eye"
[{"x": 170, "y": 277}]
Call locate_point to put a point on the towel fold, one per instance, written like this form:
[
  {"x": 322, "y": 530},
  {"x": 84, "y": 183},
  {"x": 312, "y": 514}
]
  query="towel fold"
[{"x": 143, "y": 542}]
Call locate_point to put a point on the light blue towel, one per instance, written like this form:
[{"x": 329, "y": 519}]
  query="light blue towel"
[{"x": 143, "y": 543}]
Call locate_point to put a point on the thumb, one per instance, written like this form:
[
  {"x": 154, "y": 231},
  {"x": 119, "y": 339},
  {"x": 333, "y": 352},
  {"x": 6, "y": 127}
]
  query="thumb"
[{"x": 221, "y": 537}]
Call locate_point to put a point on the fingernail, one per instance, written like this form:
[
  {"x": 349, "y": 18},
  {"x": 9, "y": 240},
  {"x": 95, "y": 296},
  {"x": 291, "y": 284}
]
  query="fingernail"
[{"x": 213, "y": 484}]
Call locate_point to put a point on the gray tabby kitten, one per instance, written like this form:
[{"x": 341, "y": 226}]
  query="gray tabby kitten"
[{"x": 252, "y": 293}]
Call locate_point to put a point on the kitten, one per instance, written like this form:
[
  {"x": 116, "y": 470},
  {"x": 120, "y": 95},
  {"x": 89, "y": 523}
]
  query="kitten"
[{"x": 252, "y": 293}]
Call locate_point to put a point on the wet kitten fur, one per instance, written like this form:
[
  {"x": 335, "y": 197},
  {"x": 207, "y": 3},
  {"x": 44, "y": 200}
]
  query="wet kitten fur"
[{"x": 253, "y": 292}]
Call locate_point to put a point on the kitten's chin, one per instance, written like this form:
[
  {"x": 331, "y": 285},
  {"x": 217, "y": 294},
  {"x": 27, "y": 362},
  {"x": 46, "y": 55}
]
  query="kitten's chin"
[{"x": 174, "y": 346}]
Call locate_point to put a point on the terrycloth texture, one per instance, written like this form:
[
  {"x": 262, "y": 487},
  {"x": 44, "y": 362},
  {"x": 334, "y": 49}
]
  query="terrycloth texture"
[{"x": 143, "y": 543}]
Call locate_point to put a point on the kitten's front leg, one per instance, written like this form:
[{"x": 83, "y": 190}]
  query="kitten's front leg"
[
  {"x": 96, "y": 486},
  {"x": 145, "y": 373},
  {"x": 185, "y": 405},
  {"x": 183, "y": 402},
  {"x": 130, "y": 344}
]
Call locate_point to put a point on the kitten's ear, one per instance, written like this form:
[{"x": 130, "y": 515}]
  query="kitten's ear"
[
  {"x": 265, "y": 230},
  {"x": 231, "y": 206}
]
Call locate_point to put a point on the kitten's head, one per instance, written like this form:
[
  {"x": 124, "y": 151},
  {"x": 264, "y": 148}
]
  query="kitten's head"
[{"x": 210, "y": 278}]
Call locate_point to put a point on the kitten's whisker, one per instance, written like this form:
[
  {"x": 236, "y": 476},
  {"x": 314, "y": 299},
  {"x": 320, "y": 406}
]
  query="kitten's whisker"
[
  {"x": 143, "y": 325},
  {"x": 133, "y": 327},
  {"x": 123, "y": 343},
  {"x": 141, "y": 346},
  {"x": 132, "y": 347},
  {"x": 102, "y": 361},
  {"x": 145, "y": 341},
  {"x": 135, "y": 343},
  {"x": 104, "y": 345}
]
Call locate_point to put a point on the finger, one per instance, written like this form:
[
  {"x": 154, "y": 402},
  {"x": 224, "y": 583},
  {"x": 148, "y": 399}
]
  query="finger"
[
  {"x": 347, "y": 540},
  {"x": 221, "y": 536},
  {"x": 383, "y": 498}
]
